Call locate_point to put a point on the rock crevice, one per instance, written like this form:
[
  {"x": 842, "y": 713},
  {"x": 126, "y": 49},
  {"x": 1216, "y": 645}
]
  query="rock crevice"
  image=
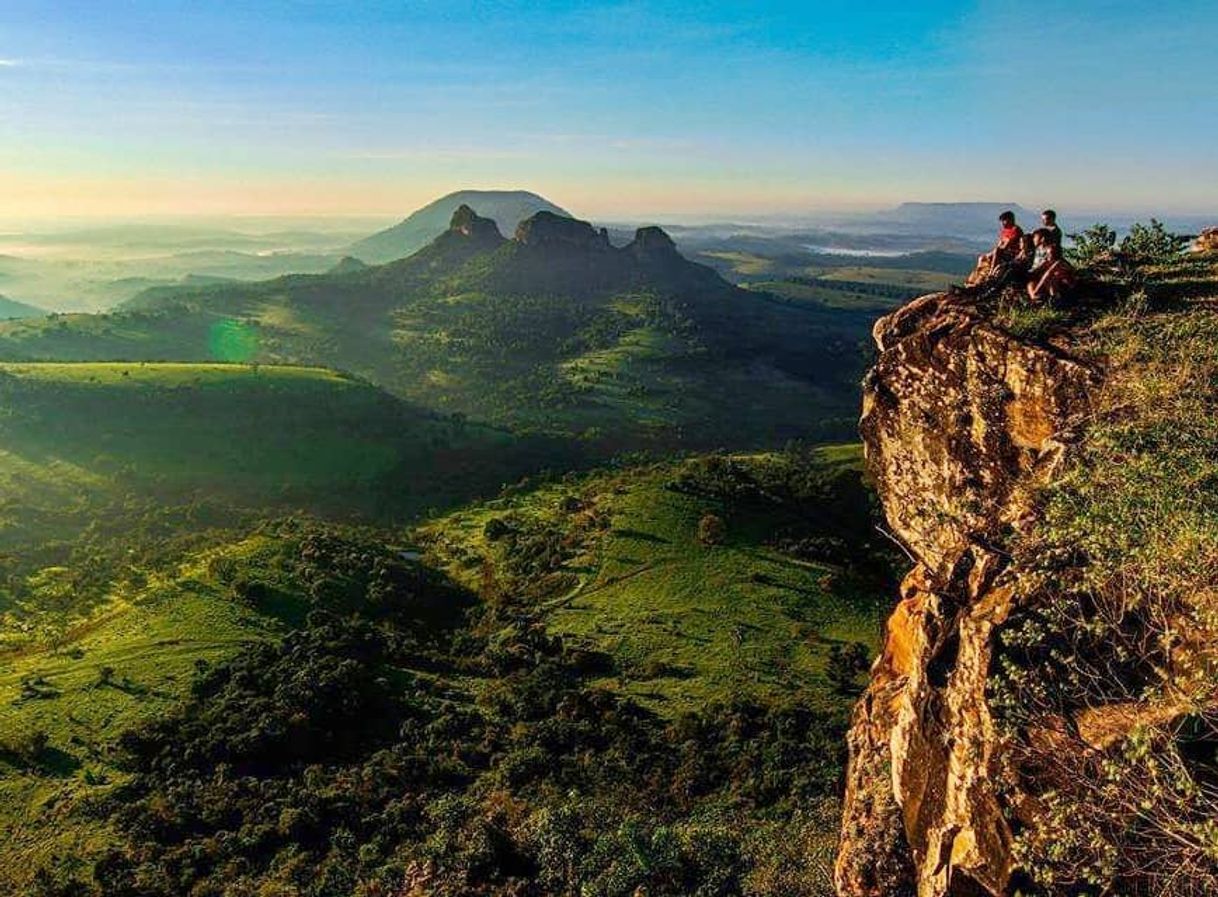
[{"x": 961, "y": 419}]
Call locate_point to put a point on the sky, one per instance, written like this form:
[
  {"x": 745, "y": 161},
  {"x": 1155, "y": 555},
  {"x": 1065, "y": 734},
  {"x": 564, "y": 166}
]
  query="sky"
[{"x": 609, "y": 109}]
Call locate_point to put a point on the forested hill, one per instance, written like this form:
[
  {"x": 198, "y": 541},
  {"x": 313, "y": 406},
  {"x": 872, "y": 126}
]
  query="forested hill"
[{"x": 554, "y": 329}]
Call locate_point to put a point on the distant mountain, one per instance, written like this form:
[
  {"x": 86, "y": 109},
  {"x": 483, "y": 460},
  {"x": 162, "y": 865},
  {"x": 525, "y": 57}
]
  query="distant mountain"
[
  {"x": 555, "y": 330},
  {"x": 11, "y": 308},
  {"x": 958, "y": 218},
  {"x": 507, "y": 208}
]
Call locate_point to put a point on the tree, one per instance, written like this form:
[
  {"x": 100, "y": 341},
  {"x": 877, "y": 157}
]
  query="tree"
[{"x": 711, "y": 529}]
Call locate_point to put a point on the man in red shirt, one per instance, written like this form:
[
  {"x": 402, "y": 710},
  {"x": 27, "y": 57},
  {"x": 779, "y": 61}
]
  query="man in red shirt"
[{"x": 1009, "y": 236}]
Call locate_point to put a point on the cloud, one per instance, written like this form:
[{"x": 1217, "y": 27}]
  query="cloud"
[{"x": 9, "y": 63}]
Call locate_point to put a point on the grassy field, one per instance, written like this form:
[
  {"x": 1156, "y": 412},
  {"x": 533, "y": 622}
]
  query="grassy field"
[
  {"x": 612, "y": 562},
  {"x": 130, "y": 663},
  {"x": 108, "y": 469},
  {"x": 684, "y": 622}
]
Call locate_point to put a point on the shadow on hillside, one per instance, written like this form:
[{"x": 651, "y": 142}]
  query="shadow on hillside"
[
  {"x": 51, "y": 762},
  {"x": 639, "y": 535},
  {"x": 1180, "y": 292}
]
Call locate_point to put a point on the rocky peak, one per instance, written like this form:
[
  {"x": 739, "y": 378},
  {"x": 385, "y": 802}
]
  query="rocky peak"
[
  {"x": 652, "y": 242},
  {"x": 468, "y": 223},
  {"x": 545, "y": 229},
  {"x": 959, "y": 418}
]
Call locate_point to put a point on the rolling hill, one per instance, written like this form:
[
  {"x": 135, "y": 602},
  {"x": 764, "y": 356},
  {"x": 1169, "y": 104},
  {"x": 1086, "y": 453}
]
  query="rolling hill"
[
  {"x": 618, "y": 564},
  {"x": 507, "y": 208},
  {"x": 102, "y": 461},
  {"x": 621, "y": 680},
  {"x": 11, "y": 308},
  {"x": 554, "y": 330}
]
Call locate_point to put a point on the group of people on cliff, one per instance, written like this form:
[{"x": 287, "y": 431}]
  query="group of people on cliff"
[{"x": 1034, "y": 259}]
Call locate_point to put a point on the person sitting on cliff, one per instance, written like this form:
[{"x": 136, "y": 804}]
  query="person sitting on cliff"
[
  {"x": 1048, "y": 221},
  {"x": 1007, "y": 247},
  {"x": 1051, "y": 274},
  {"x": 1025, "y": 258},
  {"x": 995, "y": 265}
]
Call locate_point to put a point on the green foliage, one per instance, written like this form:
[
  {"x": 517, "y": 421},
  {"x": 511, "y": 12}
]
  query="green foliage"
[
  {"x": 1145, "y": 245},
  {"x": 1028, "y": 321},
  {"x": 1152, "y": 244},
  {"x": 847, "y": 663},
  {"x": 613, "y": 563},
  {"x": 1093, "y": 245},
  {"x": 640, "y": 351},
  {"x": 400, "y": 742},
  {"x": 1116, "y": 624}
]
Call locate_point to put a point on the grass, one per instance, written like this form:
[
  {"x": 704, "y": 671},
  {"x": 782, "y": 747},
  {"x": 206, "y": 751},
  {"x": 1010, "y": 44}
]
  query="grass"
[
  {"x": 745, "y": 264},
  {"x": 844, "y": 299},
  {"x": 1118, "y": 623},
  {"x": 108, "y": 469},
  {"x": 685, "y": 623},
  {"x": 151, "y": 642},
  {"x": 903, "y": 277},
  {"x": 171, "y": 374},
  {"x": 254, "y": 434}
]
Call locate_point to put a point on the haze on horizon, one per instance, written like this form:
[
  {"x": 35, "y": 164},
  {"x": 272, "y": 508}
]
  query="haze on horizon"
[{"x": 165, "y": 108}]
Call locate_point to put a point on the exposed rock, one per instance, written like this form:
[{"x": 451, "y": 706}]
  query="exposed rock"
[
  {"x": 652, "y": 241},
  {"x": 469, "y": 223},
  {"x": 959, "y": 419},
  {"x": 546, "y": 229},
  {"x": 1207, "y": 240}
]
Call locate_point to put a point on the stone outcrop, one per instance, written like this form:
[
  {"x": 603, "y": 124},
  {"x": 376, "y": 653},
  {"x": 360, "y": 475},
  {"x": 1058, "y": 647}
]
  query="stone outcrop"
[
  {"x": 468, "y": 223},
  {"x": 959, "y": 419},
  {"x": 546, "y": 229},
  {"x": 652, "y": 242},
  {"x": 1207, "y": 240}
]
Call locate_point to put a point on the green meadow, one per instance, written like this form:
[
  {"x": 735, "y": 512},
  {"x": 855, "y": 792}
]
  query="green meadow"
[{"x": 685, "y": 623}]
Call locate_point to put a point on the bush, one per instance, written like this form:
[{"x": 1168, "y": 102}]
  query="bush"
[
  {"x": 1104, "y": 672},
  {"x": 1092, "y": 245},
  {"x": 711, "y": 530},
  {"x": 1152, "y": 244}
]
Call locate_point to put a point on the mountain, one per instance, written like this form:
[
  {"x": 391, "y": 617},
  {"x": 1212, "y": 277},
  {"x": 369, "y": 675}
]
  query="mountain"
[
  {"x": 507, "y": 208},
  {"x": 11, "y": 308},
  {"x": 553, "y": 330},
  {"x": 965, "y": 219},
  {"x": 347, "y": 264}
]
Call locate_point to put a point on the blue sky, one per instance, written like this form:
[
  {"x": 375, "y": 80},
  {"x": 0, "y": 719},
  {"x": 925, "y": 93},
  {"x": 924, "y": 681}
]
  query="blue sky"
[{"x": 608, "y": 108}]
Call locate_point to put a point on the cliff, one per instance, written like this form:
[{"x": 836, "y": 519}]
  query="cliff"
[{"x": 960, "y": 418}]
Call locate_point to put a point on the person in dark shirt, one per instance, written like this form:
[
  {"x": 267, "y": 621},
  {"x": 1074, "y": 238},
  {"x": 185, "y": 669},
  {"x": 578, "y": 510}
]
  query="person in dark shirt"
[{"x": 1048, "y": 221}]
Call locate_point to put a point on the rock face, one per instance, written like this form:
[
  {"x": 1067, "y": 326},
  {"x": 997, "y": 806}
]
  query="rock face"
[
  {"x": 468, "y": 223},
  {"x": 652, "y": 242},
  {"x": 959, "y": 419},
  {"x": 546, "y": 229}
]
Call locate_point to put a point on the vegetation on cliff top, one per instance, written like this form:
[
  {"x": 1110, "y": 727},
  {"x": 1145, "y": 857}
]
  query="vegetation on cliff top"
[{"x": 1106, "y": 672}]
